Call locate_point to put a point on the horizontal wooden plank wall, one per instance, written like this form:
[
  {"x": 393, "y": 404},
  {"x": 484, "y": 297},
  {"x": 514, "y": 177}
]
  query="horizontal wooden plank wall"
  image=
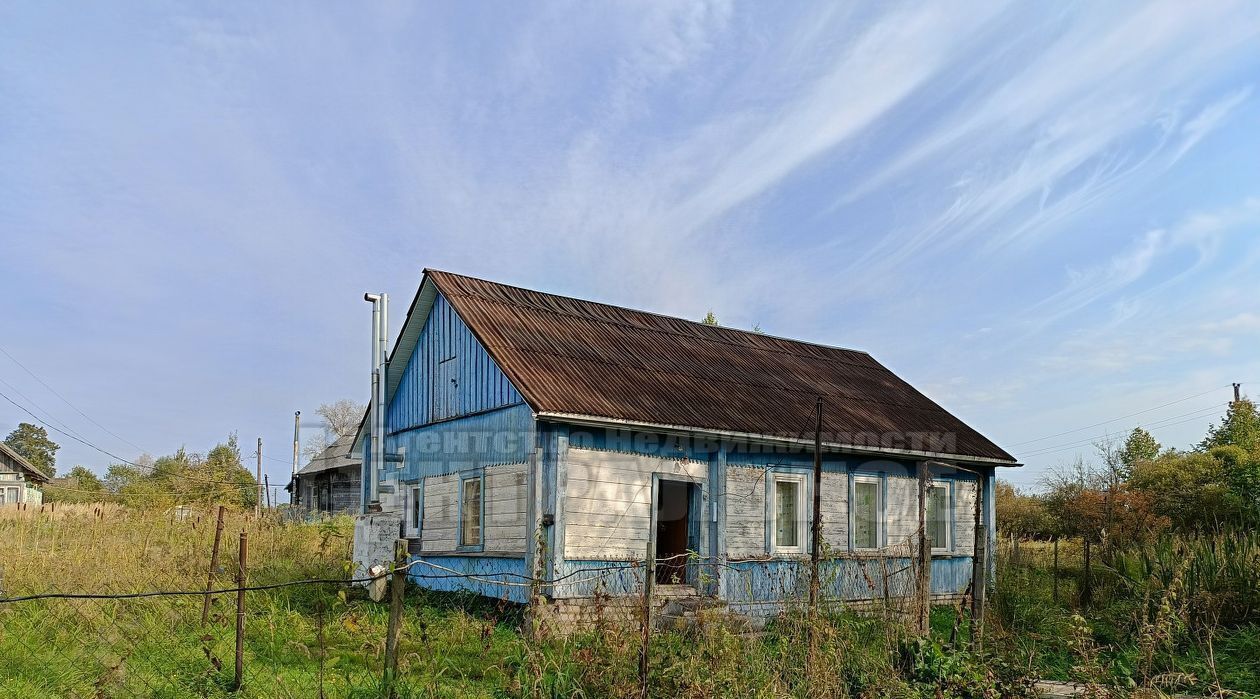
[
  {"x": 440, "y": 530},
  {"x": 608, "y": 500},
  {"x": 506, "y": 528}
]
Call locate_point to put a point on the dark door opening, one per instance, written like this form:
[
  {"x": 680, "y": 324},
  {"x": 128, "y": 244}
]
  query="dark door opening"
[{"x": 673, "y": 530}]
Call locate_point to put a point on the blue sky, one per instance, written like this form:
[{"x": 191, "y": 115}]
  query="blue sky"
[{"x": 1045, "y": 215}]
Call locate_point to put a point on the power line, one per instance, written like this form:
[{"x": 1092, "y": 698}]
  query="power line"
[
  {"x": 86, "y": 443},
  {"x": 1114, "y": 419},
  {"x": 1196, "y": 415},
  {"x": 66, "y": 401}
]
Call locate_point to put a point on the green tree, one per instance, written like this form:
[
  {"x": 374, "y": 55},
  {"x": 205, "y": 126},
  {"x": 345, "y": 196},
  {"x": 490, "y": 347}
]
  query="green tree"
[
  {"x": 32, "y": 442},
  {"x": 79, "y": 485},
  {"x": 1240, "y": 427},
  {"x": 85, "y": 479},
  {"x": 709, "y": 319},
  {"x": 1140, "y": 446},
  {"x": 1191, "y": 489}
]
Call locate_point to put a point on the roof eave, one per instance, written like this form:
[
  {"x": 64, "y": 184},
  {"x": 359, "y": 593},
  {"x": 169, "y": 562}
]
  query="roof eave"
[{"x": 599, "y": 421}]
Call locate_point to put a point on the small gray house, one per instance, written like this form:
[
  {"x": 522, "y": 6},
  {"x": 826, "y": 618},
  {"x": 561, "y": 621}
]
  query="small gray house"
[
  {"x": 20, "y": 481},
  {"x": 330, "y": 482}
]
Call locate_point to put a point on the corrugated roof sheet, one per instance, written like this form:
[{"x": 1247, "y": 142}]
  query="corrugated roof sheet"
[
  {"x": 335, "y": 456},
  {"x": 571, "y": 356}
]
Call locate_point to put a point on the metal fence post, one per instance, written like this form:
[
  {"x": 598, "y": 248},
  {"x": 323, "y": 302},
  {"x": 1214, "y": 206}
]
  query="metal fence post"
[
  {"x": 240, "y": 613},
  {"x": 397, "y": 582}
]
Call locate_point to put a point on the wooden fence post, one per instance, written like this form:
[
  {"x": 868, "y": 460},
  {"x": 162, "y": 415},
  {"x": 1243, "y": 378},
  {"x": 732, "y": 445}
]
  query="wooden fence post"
[
  {"x": 924, "y": 582},
  {"x": 214, "y": 567},
  {"x": 240, "y": 612},
  {"x": 397, "y": 584},
  {"x": 979, "y": 567},
  {"x": 649, "y": 580},
  {"x": 1087, "y": 583},
  {"x": 1056, "y": 570}
]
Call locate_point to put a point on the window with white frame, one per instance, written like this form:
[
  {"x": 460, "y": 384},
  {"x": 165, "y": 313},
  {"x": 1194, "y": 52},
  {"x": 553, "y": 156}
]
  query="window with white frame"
[
  {"x": 415, "y": 510},
  {"x": 787, "y": 514},
  {"x": 938, "y": 516},
  {"x": 868, "y": 507},
  {"x": 470, "y": 512}
]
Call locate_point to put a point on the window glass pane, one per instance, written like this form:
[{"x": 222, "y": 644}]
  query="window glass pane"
[
  {"x": 938, "y": 516},
  {"x": 415, "y": 508},
  {"x": 865, "y": 512},
  {"x": 470, "y": 524},
  {"x": 786, "y": 533}
]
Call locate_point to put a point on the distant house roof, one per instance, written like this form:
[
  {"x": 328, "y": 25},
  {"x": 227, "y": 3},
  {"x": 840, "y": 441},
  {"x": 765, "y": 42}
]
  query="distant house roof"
[
  {"x": 337, "y": 455},
  {"x": 21, "y": 462},
  {"x": 581, "y": 360}
]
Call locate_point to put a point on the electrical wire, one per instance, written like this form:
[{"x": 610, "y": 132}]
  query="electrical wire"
[
  {"x": 1114, "y": 419},
  {"x": 86, "y": 443},
  {"x": 65, "y": 400},
  {"x": 1197, "y": 415}
]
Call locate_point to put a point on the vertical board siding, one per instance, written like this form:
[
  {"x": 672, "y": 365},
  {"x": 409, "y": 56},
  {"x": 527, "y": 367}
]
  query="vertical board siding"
[
  {"x": 446, "y": 350},
  {"x": 608, "y": 500},
  {"x": 505, "y": 509}
]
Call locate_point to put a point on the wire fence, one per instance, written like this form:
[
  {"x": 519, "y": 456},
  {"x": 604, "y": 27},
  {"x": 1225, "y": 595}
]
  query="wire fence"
[{"x": 102, "y": 602}]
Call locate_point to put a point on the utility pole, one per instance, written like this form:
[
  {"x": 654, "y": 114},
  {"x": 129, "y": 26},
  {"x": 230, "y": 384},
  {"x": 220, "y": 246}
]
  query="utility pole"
[
  {"x": 267, "y": 484},
  {"x": 815, "y": 552},
  {"x": 297, "y": 425},
  {"x": 259, "y": 501},
  {"x": 1237, "y": 396}
]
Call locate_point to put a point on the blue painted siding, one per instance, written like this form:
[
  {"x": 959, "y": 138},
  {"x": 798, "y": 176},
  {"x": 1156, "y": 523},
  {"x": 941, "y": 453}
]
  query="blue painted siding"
[
  {"x": 502, "y": 436},
  {"x": 495, "y": 577},
  {"x": 449, "y": 375},
  {"x": 764, "y": 586}
]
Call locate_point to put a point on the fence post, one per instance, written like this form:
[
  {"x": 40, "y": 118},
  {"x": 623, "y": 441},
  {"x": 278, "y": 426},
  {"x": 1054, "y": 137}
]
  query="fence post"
[
  {"x": 214, "y": 566},
  {"x": 319, "y": 637},
  {"x": 979, "y": 567},
  {"x": 1087, "y": 583},
  {"x": 649, "y": 580},
  {"x": 397, "y": 582},
  {"x": 240, "y": 612},
  {"x": 924, "y": 582},
  {"x": 1056, "y": 570}
]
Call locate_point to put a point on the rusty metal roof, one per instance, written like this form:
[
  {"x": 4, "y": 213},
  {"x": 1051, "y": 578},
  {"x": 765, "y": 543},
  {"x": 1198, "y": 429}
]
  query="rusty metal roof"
[{"x": 582, "y": 358}]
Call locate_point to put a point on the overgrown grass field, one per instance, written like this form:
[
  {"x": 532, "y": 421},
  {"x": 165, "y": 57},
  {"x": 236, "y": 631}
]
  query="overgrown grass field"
[{"x": 1156, "y": 625}]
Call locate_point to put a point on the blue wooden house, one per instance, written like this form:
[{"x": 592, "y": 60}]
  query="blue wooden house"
[{"x": 533, "y": 435}]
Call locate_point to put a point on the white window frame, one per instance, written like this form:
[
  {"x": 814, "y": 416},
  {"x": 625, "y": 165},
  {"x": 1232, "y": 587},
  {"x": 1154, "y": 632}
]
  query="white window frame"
[
  {"x": 481, "y": 512},
  {"x": 772, "y": 505},
  {"x": 878, "y": 482},
  {"x": 948, "y": 487},
  {"x": 415, "y": 510}
]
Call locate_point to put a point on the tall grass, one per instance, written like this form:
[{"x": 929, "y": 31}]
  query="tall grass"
[{"x": 1179, "y": 613}]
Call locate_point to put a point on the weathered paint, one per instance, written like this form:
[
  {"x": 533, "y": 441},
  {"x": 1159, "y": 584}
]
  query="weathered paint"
[
  {"x": 491, "y": 576},
  {"x": 502, "y": 436},
  {"x": 448, "y": 375}
]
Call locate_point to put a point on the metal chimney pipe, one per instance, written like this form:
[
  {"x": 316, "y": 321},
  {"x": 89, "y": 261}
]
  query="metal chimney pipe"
[{"x": 377, "y": 428}]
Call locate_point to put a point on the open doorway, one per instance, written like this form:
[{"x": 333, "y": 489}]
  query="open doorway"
[{"x": 673, "y": 530}]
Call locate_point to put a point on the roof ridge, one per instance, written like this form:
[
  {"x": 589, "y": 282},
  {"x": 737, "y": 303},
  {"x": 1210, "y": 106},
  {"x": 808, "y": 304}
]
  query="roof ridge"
[
  {"x": 655, "y": 314},
  {"x": 856, "y": 399}
]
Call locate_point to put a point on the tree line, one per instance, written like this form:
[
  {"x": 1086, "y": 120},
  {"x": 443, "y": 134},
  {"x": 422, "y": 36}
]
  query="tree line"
[{"x": 1137, "y": 490}]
